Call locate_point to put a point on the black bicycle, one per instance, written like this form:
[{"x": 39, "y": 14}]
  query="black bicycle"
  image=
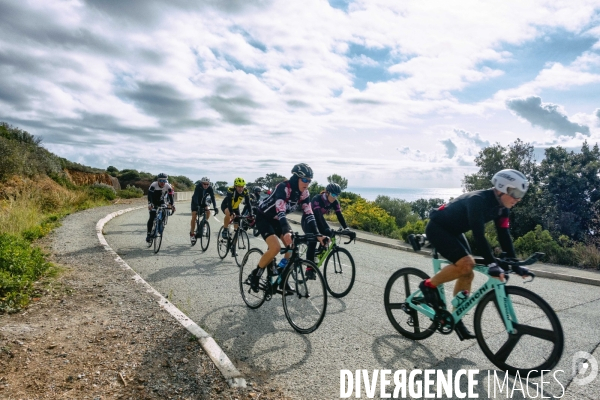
[
  {"x": 158, "y": 227},
  {"x": 238, "y": 242},
  {"x": 305, "y": 300},
  {"x": 203, "y": 227}
]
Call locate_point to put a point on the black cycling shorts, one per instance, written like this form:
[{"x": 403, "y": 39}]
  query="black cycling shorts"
[
  {"x": 268, "y": 226},
  {"x": 451, "y": 246}
]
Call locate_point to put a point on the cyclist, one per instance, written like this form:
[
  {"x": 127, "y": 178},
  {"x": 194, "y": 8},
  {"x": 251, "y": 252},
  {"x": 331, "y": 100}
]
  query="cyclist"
[
  {"x": 203, "y": 194},
  {"x": 255, "y": 196},
  {"x": 321, "y": 204},
  {"x": 271, "y": 220},
  {"x": 231, "y": 204},
  {"x": 159, "y": 193},
  {"x": 471, "y": 211}
]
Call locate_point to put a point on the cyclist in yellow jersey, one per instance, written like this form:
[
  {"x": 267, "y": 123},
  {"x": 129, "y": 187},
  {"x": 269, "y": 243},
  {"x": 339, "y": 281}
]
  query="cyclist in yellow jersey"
[{"x": 231, "y": 204}]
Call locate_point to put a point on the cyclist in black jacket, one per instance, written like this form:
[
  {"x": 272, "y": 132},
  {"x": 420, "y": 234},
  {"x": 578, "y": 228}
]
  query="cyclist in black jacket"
[
  {"x": 160, "y": 192},
  {"x": 203, "y": 194},
  {"x": 321, "y": 204},
  {"x": 470, "y": 212}
]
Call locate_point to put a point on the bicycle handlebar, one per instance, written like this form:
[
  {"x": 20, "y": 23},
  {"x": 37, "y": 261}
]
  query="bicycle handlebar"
[
  {"x": 346, "y": 232},
  {"x": 513, "y": 262}
]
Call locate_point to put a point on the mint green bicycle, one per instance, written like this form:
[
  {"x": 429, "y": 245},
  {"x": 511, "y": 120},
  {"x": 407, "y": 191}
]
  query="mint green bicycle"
[{"x": 516, "y": 329}]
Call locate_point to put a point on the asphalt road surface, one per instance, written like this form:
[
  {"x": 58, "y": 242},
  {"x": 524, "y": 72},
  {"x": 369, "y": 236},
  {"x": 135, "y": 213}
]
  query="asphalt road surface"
[{"x": 355, "y": 334}]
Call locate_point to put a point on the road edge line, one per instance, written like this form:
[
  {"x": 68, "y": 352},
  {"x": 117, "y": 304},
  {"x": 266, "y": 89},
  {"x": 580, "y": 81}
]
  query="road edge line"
[{"x": 233, "y": 377}]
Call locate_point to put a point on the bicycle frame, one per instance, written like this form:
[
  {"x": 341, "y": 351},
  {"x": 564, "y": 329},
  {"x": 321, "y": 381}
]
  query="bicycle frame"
[{"x": 504, "y": 302}]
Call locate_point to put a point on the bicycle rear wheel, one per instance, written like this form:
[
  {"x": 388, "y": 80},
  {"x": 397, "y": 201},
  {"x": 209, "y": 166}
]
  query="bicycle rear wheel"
[
  {"x": 158, "y": 234},
  {"x": 242, "y": 246},
  {"x": 222, "y": 244},
  {"x": 249, "y": 263},
  {"x": 339, "y": 271},
  {"x": 538, "y": 342},
  {"x": 149, "y": 244},
  {"x": 404, "y": 318},
  {"x": 204, "y": 237},
  {"x": 306, "y": 304}
]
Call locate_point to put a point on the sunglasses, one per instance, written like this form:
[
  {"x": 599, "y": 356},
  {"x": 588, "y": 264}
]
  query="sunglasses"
[
  {"x": 334, "y": 195},
  {"x": 204, "y": 183},
  {"x": 162, "y": 181},
  {"x": 515, "y": 193},
  {"x": 306, "y": 180}
]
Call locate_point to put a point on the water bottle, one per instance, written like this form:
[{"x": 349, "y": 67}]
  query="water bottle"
[
  {"x": 282, "y": 264},
  {"x": 460, "y": 297}
]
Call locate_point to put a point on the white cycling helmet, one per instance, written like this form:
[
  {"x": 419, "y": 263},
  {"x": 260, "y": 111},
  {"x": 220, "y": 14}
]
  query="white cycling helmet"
[
  {"x": 205, "y": 180},
  {"x": 511, "y": 182}
]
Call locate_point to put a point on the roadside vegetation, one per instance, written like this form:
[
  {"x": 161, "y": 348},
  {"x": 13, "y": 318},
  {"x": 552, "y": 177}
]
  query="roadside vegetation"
[{"x": 37, "y": 189}]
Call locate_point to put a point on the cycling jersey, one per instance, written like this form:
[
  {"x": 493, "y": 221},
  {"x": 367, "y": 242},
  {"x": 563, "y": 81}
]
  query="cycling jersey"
[
  {"x": 158, "y": 195},
  {"x": 320, "y": 205},
  {"x": 470, "y": 212},
  {"x": 285, "y": 199},
  {"x": 200, "y": 194},
  {"x": 233, "y": 199}
]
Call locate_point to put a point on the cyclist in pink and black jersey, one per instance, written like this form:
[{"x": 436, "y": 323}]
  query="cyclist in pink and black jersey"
[{"x": 271, "y": 216}]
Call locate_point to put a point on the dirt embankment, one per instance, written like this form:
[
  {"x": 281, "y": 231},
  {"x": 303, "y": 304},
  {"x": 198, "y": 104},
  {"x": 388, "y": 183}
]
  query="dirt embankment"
[{"x": 80, "y": 178}]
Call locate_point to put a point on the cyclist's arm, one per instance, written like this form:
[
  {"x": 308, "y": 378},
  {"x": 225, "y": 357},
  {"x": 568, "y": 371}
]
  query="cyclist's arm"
[
  {"x": 211, "y": 193},
  {"x": 170, "y": 195},
  {"x": 339, "y": 215},
  {"x": 318, "y": 215},
  {"x": 477, "y": 223},
  {"x": 311, "y": 222},
  {"x": 281, "y": 208},
  {"x": 503, "y": 229}
]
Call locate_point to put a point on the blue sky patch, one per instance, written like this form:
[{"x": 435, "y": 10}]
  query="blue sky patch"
[
  {"x": 527, "y": 60},
  {"x": 369, "y": 64},
  {"x": 340, "y": 4}
]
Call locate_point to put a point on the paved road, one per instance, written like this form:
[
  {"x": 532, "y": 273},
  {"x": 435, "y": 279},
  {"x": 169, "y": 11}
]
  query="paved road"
[{"x": 355, "y": 334}]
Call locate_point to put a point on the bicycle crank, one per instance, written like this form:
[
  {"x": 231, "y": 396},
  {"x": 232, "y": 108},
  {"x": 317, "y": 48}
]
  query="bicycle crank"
[{"x": 444, "y": 321}]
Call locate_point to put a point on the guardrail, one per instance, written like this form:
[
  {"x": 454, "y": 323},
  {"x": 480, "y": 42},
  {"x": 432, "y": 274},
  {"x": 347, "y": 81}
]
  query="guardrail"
[{"x": 182, "y": 196}]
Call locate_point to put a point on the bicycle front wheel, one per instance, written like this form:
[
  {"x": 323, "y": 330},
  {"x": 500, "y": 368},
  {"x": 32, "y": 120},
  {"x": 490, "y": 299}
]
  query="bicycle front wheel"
[
  {"x": 304, "y": 300},
  {"x": 404, "y": 318},
  {"x": 339, "y": 271},
  {"x": 158, "y": 234},
  {"x": 242, "y": 246},
  {"x": 249, "y": 263},
  {"x": 204, "y": 232},
  {"x": 538, "y": 341},
  {"x": 222, "y": 244}
]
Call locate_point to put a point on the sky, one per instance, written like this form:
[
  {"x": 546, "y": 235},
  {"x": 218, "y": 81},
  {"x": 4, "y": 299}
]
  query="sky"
[{"x": 382, "y": 92}]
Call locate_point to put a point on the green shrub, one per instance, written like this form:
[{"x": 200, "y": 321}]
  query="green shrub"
[
  {"x": 416, "y": 227},
  {"x": 541, "y": 240},
  {"x": 130, "y": 192},
  {"x": 104, "y": 191},
  {"x": 367, "y": 216},
  {"x": 399, "y": 209},
  {"x": 20, "y": 266}
]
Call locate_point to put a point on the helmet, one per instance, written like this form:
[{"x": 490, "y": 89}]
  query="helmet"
[
  {"x": 334, "y": 189},
  {"x": 162, "y": 175},
  {"x": 205, "y": 180},
  {"x": 239, "y": 182},
  {"x": 302, "y": 171},
  {"x": 511, "y": 182},
  {"x": 257, "y": 189}
]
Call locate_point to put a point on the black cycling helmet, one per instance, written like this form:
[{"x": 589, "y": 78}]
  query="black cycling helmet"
[
  {"x": 162, "y": 175},
  {"x": 302, "y": 171},
  {"x": 334, "y": 188},
  {"x": 257, "y": 189}
]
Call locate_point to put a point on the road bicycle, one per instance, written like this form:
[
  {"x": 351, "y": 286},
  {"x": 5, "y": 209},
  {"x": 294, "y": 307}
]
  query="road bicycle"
[
  {"x": 305, "y": 300},
  {"x": 203, "y": 227},
  {"x": 339, "y": 270},
  {"x": 516, "y": 329},
  {"x": 158, "y": 227},
  {"x": 238, "y": 242}
]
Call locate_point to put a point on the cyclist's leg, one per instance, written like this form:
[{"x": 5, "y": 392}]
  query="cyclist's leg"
[
  {"x": 151, "y": 220},
  {"x": 269, "y": 234},
  {"x": 193, "y": 222}
]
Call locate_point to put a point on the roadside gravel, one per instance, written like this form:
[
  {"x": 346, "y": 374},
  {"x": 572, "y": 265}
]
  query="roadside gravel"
[{"x": 97, "y": 334}]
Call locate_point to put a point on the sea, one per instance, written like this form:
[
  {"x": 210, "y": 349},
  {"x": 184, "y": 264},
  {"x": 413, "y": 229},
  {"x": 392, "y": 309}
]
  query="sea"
[{"x": 408, "y": 194}]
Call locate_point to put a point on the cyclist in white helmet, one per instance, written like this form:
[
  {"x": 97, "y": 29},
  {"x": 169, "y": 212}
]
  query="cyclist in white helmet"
[
  {"x": 203, "y": 195},
  {"x": 470, "y": 212}
]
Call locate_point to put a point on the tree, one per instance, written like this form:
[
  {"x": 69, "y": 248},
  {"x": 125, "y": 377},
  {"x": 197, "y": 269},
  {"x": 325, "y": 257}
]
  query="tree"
[
  {"x": 335, "y": 178},
  {"x": 221, "y": 186},
  {"x": 272, "y": 180},
  {"x": 421, "y": 207},
  {"x": 570, "y": 193},
  {"x": 315, "y": 189},
  {"x": 112, "y": 171},
  {"x": 397, "y": 208}
]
